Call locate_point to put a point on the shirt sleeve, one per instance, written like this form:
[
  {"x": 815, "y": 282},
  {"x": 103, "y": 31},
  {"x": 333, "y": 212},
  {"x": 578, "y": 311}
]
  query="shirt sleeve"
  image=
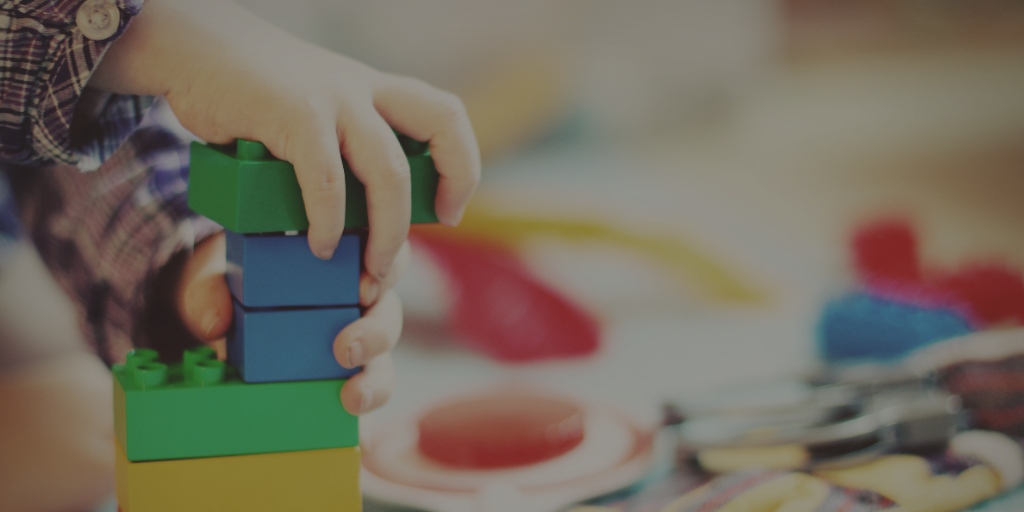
[
  {"x": 46, "y": 60},
  {"x": 107, "y": 235}
]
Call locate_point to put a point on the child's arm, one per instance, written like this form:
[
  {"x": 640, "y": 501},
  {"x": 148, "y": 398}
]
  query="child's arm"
[
  {"x": 228, "y": 74},
  {"x": 56, "y": 428}
]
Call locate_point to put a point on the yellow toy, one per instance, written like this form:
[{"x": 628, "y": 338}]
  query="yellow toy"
[{"x": 310, "y": 481}]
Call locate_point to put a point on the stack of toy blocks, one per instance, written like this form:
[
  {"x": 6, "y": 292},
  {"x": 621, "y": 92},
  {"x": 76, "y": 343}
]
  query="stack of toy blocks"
[{"x": 265, "y": 431}]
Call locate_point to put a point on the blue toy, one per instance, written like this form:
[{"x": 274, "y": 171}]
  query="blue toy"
[
  {"x": 275, "y": 270},
  {"x": 864, "y": 327},
  {"x": 286, "y": 344}
]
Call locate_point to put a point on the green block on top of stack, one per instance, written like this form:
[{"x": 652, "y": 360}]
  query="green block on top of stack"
[{"x": 242, "y": 187}]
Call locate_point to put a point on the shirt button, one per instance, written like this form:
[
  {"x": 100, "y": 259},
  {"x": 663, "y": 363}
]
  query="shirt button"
[{"x": 98, "y": 19}]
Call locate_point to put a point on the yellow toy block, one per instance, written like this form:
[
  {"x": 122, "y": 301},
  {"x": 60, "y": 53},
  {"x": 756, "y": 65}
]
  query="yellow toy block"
[{"x": 310, "y": 481}]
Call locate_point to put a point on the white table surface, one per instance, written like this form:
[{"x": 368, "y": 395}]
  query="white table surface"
[{"x": 772, "y": 193}]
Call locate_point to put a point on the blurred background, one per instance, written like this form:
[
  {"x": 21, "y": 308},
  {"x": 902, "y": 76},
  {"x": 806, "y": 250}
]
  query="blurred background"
[{"x": 750, "y": 135}]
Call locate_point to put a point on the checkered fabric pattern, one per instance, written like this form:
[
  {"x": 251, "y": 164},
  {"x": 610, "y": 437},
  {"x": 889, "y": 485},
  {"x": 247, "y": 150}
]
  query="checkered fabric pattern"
[
  {"x": 45, "y": 62},
  {"x": 106, "y": 234}
]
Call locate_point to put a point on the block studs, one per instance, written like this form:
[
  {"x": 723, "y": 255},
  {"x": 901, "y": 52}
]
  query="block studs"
[
  {"x": 251, "y": 150},
  {"x": 140, "y": 356},
  {"x": 150, "y": 375},
  {"x": 207, "y": 373}
]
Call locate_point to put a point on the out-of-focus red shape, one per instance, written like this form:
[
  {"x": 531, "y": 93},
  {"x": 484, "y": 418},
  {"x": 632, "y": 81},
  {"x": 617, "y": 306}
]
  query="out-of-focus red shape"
[
  {"x": 993, "y": 292},
  {"x": 500, "y": 430},
  {"x": 886, "y": 260},
  {"x": 886, "y": 250},
  {"x": 502, "y": 310}
]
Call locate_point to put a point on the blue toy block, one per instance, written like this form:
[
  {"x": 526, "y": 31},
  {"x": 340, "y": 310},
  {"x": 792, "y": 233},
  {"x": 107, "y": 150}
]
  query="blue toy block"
[
  {"x": 278, "y": 345},
  {"x": 274, "y": 270},
  {"x": 863, "y": 327}
]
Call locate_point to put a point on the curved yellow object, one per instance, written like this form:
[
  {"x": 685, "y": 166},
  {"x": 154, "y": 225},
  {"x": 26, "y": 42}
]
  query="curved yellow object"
[
  {"x": 713, "y": 280},
  {"x": 909, "y": 481}
]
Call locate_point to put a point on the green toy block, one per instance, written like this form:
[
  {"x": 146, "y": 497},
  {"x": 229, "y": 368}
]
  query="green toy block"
[
  {"x": 245, "y": 189},
  {"x": 201, "y": 408}
]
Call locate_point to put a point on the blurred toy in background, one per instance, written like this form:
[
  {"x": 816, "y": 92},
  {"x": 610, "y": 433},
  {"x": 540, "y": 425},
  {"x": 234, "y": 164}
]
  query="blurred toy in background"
[
  {"x": 496, "y": 306},
  {"x": 986, "y": 370},
  {"x": 901, "y": 305},
  {"x": 516, "y": 448},
  {"x": 501, "y": 430},
  {"x": 502, "y": 450},
  {"x": 861, "y": 326},
  {"x": 712, "y": 279},
  {"x": 499, "y": 309},
  {"x": 824, "y": 425},
  {"x": 916, "y": 407},
  {"x": 867, "y": 438},
  {"x": 977, "y": 466},
  {"x": 886, "y": 258}
]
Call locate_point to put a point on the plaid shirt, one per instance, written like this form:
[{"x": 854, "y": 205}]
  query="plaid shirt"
[
  {"x": 104, "y": 234},
  {"x": 45, "y": 62}
]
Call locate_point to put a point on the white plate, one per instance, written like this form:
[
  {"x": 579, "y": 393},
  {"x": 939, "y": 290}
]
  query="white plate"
[{"x": 614, "y": 454}]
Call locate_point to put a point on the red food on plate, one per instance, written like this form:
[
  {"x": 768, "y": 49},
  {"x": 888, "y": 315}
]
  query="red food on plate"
[{"x": 500, "y": 430}]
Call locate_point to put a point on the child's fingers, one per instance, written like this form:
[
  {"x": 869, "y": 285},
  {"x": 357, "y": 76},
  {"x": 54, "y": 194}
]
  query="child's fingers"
[
  {"x": 371, "y": 288},
  {"x": 203, "y": 298},
  {"x": 377, "y": 160},
  {"x": 372, "y": 387},
  {"x": 316, "y": 155},
  {"x": 426, "y": 113},
  {"x": 373, "y": 334}
]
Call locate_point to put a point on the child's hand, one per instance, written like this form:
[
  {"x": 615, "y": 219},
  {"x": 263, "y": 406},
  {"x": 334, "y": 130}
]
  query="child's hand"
[
  {"x": 204, "y": 303},
  {"x": 228, "y": 74}
]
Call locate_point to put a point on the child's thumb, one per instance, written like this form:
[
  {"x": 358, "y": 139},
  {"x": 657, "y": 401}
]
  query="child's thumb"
[{"x": 204, "y": 300}]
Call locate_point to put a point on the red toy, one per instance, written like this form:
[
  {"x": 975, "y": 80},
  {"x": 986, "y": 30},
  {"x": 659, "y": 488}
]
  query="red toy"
[
  {"x": 500, "y": 309},
  {"x": 886, "y": 260},
  {"x": 500, "y": 431}
]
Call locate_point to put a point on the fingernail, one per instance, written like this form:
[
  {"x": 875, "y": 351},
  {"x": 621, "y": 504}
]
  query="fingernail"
[
  {"x": 370, "y": 292},
  {"x": 210, "y": 322},
  {"x": 221, "y": 346},
  {"x": 456, "y": 219},
  {"x": 356, "y": 352},
  {"x": 367, "y": 401},
  {"x": 384, "y": 269},
  {"x": 326, "y": 254}
]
